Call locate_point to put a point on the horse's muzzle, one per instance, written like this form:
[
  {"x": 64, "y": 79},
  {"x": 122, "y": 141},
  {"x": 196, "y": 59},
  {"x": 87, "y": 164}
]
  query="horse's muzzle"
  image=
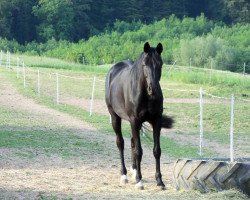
[{"x": 150, "y": 89}]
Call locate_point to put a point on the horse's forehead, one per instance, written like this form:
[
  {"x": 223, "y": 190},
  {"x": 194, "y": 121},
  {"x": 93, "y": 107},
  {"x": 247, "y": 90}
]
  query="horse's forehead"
[{"x": 153, "y": 57}]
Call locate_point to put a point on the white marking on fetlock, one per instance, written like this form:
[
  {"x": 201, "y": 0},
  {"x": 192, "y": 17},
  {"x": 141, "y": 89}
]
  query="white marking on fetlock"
[
  {"x": 139, "y": 185},
  {"x": 124, "y": 179},
  {"x": 133, "y": 172}
]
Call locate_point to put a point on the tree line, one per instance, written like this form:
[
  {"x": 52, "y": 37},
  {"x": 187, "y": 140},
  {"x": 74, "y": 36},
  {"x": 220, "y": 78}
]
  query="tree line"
[
  {"x": 73, "y": 20},
  {"x": 189, "y": 41}
]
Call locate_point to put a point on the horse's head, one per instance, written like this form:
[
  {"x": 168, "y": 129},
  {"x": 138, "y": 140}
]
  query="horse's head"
[{"x": 152, "y": 64}]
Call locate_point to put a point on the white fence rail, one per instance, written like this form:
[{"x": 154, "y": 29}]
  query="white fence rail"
[{"x": 65, "y": 89}]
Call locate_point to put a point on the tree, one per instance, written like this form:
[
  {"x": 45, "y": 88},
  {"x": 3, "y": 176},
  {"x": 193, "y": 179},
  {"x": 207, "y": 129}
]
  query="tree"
[
  {"x": 17, "y": 21},
  {"x": 101, "y": 14},
  {"x": 129, "y": 10},
  {"x": 238, "y": 10},
  {"x": 81, "y": 19},
  {"x": 23, "y": 21},
  {"x": 5, "y": 18},
  {"x": 56, "y": 17}
]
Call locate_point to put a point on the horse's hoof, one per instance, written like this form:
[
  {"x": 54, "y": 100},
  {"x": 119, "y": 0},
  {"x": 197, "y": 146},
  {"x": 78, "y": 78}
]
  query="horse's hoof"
[
  {"x": 162, "y": 186},
  {"x": 124, "y": 179},
  {"x": 139, "y": 185},
  {"x": 133, "y": 172}
]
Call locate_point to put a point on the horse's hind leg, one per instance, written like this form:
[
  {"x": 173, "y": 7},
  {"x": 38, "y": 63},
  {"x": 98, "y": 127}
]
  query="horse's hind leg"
[{"x": 116, "y": 123}]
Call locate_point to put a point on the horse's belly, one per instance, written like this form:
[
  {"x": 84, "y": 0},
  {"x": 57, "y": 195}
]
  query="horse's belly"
[
  {"x": 118, "y": 106},
  {"x": 120, "y": 111}
]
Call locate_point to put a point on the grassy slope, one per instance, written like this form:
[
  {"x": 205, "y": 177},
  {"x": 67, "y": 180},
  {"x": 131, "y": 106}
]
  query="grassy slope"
[
  {"x": 220, "y": 83},
  {"x": 216, "y": 116}
]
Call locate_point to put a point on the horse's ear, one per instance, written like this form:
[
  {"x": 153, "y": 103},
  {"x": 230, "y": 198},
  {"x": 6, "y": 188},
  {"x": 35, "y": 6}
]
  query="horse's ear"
[
  {"x": 146, "y": 47},
  {"x": 159, "y": 48}
]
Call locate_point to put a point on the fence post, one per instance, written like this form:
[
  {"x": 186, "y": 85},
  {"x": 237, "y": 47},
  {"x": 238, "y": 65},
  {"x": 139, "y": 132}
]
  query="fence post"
[
  {"x": 92, "y": 97},
  {"x": 9, "y": 61},
  {"x": 190, "y": 62},
  {"x": 38, "y": 82},
  {"x": 244, "y": 68},
  {"x": 201, "y": 124},
  {"x": 17, "y": 67},
  {"x": 211, "y": 68},
  {"x": 1, "y": 58},
  {"x": 232, "y": 130},
  {"x": 24, "y": 76},
  {"x": 7, "y": 57},
  {"x": 57, "y": 88}
]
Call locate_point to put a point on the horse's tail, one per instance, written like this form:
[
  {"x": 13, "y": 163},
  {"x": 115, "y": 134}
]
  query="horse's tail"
[{"x": 167, "y": 122}]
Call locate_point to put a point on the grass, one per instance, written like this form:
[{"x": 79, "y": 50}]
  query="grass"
[
  {"x": 64, "y": 145},
  {"x": 19, "y": 132},
  {"x": 101, "y": 122},
  {"x": 216, "y": 116},
  {"x": 46, "y": 62},
  {"x": 221, "y": 83}
]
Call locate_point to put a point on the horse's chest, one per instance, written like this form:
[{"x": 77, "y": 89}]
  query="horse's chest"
[{"x": 150, "y": 109}]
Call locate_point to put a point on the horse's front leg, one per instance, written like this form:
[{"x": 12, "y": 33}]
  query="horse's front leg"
[
  {"x": 133, "y": 159},
  {"x": 157, "y": 151},
  {"x": 137, "y": 152},
  {"x": 116, "y": 123}
]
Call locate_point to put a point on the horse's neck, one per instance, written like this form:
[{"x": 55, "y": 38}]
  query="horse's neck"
[
  {"x": 138, "y": 74},
  {"x": 138, "y": 80}
]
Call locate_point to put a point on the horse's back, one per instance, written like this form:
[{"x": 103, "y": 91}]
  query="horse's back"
[{"x": 115, "y": 70}]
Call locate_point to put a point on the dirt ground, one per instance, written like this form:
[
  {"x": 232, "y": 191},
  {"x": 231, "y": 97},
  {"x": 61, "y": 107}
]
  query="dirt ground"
[{"x": 89, "y": 177}]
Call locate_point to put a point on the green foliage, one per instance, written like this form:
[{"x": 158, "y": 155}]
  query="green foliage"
[
  {"x": 122, "y": 26},
  {"x": 199, "y": 39},
  {"x": 17, "y": 20},
  {"x": 204, "y": 42},
  {"x": 238, "y": 11},
  {"x": 10, "y": 45},
  {"x": 226, "y": 48},
  {"x": 129, "y": 43},
  {"x": 73, "y": 20},
  {"x": 57, "y": 17}
]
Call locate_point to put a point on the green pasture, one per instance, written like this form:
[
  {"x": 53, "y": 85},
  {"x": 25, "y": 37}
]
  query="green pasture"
[
  {"x": 217, "y": 82},
  {"x": 57, "y": 142},
  {"x": 50, "y": 140},
  {"x": 183, "y": 83}
]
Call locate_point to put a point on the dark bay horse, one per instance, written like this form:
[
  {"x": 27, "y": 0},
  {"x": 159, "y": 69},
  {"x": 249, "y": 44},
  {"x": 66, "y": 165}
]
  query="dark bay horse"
[{"x": 133, "y": 93}]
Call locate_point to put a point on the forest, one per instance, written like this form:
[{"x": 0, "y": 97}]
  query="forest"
[
  {"x": 73, "y": 20},
  {"x": 105, "y": 31}
]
